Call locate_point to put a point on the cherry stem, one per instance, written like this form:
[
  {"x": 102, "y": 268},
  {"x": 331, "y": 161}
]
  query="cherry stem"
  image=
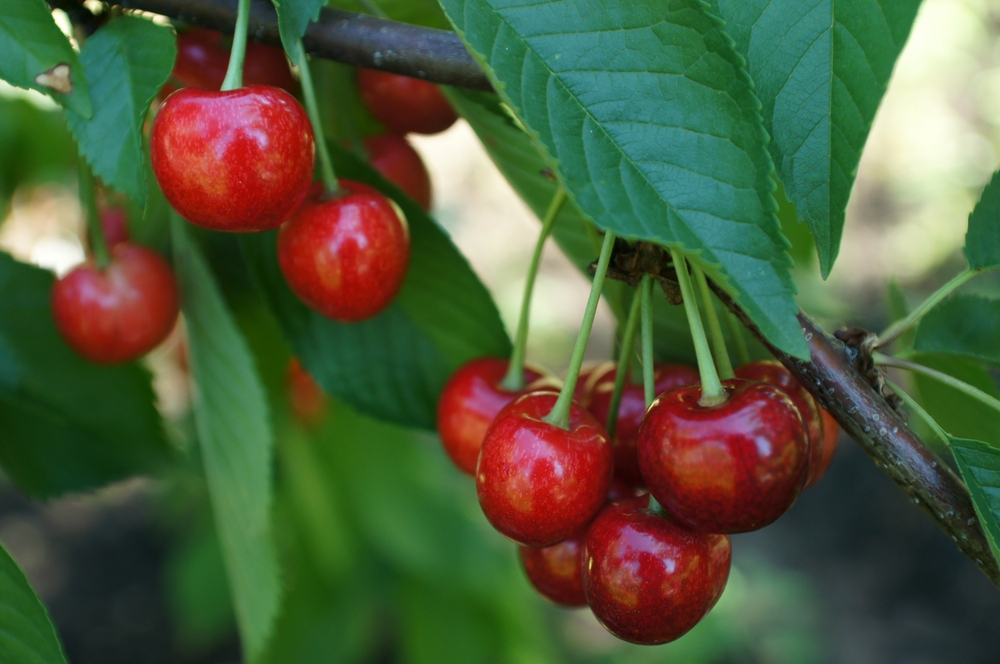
[
  {"x": 712, "y": 392},
  {"x": 624, "y": 359},
  {"x": 646, "y": 295},
  {"x": 898, "y": 328},
  {"x": 923, "y": 414},
  {"x": 98, "y": 244},
  {"x": 714, "y": 327},
  {"x": 312, "y": 108},
  {"x": 951, "y": 381},
  {"x": 234, "y": 74},
  {"x": 514, "y": 380},
  {"x": 736, "y": 332},
  {"x": 559, "y": 416}
]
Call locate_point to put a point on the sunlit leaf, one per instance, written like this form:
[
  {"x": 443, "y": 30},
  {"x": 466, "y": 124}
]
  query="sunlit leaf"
[{"x": 982, "y": 241}]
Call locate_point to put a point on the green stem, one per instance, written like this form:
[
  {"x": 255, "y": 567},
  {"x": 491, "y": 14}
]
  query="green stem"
[
  {"x": 560, "y": 411},
  {"x": 648, "y": 380},
  {"x": 714, "y": 327},
  {"x": 951, "y": 381},
  {"x": 234, "y": 74},
  {"x": 923, "y": 414},
  {"x": 736, "y": 332},
  {"x": 93, "y": 216},
  {"x": 312, "y": 108},
  {"x": 514, "y": 380},
  {"x": 898, "y": 328},
  {"x": 712, "y": 392},
  {"x": 624, "y": 359}
]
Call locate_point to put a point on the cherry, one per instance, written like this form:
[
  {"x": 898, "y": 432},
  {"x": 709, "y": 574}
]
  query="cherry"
[
  {"x": 397, "y": 161},
  {"x": 469, "y": 403},
  {"x": 203, "y": 58},
  {"x": 590, "y": 373},
  {"x": 556, "y": 571},
  {"x": 120, "y": 312},
  {"x": 729, "y": 468},
  {"x": 307, "y": 400},
  {"x": 621, "y": 490},
  {"x": 538, "y": 483},
  {"x": 405, "y": 104},
  {"x": 239, "y": 161},
  {"x": 648, "y": 579},
  {"x": 114, "y": 225},
  {"x": 831, "y": 435},
  {"x": 631, "y": 410}
]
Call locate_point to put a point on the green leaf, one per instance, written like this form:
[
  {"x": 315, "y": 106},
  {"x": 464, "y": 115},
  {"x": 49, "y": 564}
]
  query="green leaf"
[
  {"x": 68, "y": 424},
  {"x": 982, "y": 241},
  {"x": 964, "y": 325},
  {"x": 821, "y": 68},
  {"x": 34, "y": 147},
  {"x": 979, "y": 464},
  {"x": 126, "y": 62},
  {"x": 391, "y": 367},
  {"x": 419, "y": 12},
  {"x": 654, "y": 127},
  {"x": 294, "y": 16},
  {"x": 37, "y": 55},
  {"x": 959, "y": 414},
  {"x": 232, "y": 420},
  {"x": 28, "y": 636}
]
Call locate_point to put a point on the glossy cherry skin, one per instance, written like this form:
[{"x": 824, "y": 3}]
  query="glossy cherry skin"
[
  {"x": 729, "y": 468},
  {"x": 397, "y": 161},
  {"x": 831, "y": 435},
  {"x": 405, "y": 104},
  {"x": 203, "y": 58},
  {"x": 556, "y": 571},
  {"x": 469, "y": 403},
  {"x": 346, "y": 256},
  {"x": 537, "y": 483},
  {"x": 118, "y": 313},
  {"x": 238, "y": 161},
  {"x": 633, "y": 407},
  {"x": 306, "y": 398},
  {"x": 648, "y": 579}
]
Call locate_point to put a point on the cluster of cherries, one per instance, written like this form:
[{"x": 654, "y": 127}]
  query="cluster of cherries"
[
  {"x": 242, "y": 160},
  {"x": 636, "y": 527}
]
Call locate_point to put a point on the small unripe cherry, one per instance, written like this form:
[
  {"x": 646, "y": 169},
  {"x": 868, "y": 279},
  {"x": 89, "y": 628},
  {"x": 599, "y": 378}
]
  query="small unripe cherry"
[{"x": 405, "y": 104}]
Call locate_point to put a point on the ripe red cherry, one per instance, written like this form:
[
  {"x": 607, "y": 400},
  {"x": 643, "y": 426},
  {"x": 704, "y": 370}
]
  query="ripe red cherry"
[
  {"x": 729, "y": 468},
  {"x": 831, "y": 434},
  {"x": 648, "y": 579},
  {"x": 632, "y": 408},
  {"x": 233, "y": 161},
  {"x": 306, "y": 398},
  {"x": 469, "y": 403},
  {"x": 556, "y": 571},
  {"x": 405, "y": 104},
  {"x": 118, "y": 313},
  {"x": 590, "y": 373},
  {"x": 203, "y": 58},
  {"x": 345, "y": 254},
  {"x": 114, "y": 225},
  {"x": 397, "y": 161},
  {"x": 537, "y": 483}
]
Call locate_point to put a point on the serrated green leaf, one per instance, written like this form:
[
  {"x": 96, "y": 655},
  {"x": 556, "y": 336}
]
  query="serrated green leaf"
[
  {"x": 294, "y": 16},
  {"x": 28, "y": 636},
  {"x": 821, "y": 68},
  {"x": 979, "y": 464},
  {"x": 126, "y": 62},
  {"x": 391, "y": 367},
  {"x": 68, "y": 424},
  {"x": 654, "y": 129},
  {"x": 959, "y": 414},
  {"x": 982, "y": 241},
  {"x": 234, "y": 430},
  {"x": 964, "y": 325},
  {"x": 37, "y": 55}
]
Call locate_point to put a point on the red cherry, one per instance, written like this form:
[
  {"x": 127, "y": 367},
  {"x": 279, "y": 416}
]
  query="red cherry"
[
  {"x": 537, "y": 483},
  {"x": 203, "y": 58},
  {"x": 120, "y": 312},
  {"x": 405, "y": 104},
  {"x": 469, "y": 403},
  {"x": 590, "y": 373},
  {"x": 729, "y": 468},
  {"x": 633, "y": 407},
  {"x": 114, "y": 225},
  {"x": 556, "y": 571},
  {"x": 307, "y": 400},
  {"x": 648, "y": 579},
  {"x": 397, "y": 161},
  {"x": 346, "y": 256},
  {"x": 621, "y": 490},
  {"x": 831, "y": 435},
  {"x": 233, "y": 161}
]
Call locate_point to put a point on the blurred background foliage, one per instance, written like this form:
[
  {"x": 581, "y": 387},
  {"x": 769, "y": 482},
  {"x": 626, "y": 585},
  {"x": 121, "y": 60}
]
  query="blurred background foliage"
[{"x": 385, "y": 554}]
